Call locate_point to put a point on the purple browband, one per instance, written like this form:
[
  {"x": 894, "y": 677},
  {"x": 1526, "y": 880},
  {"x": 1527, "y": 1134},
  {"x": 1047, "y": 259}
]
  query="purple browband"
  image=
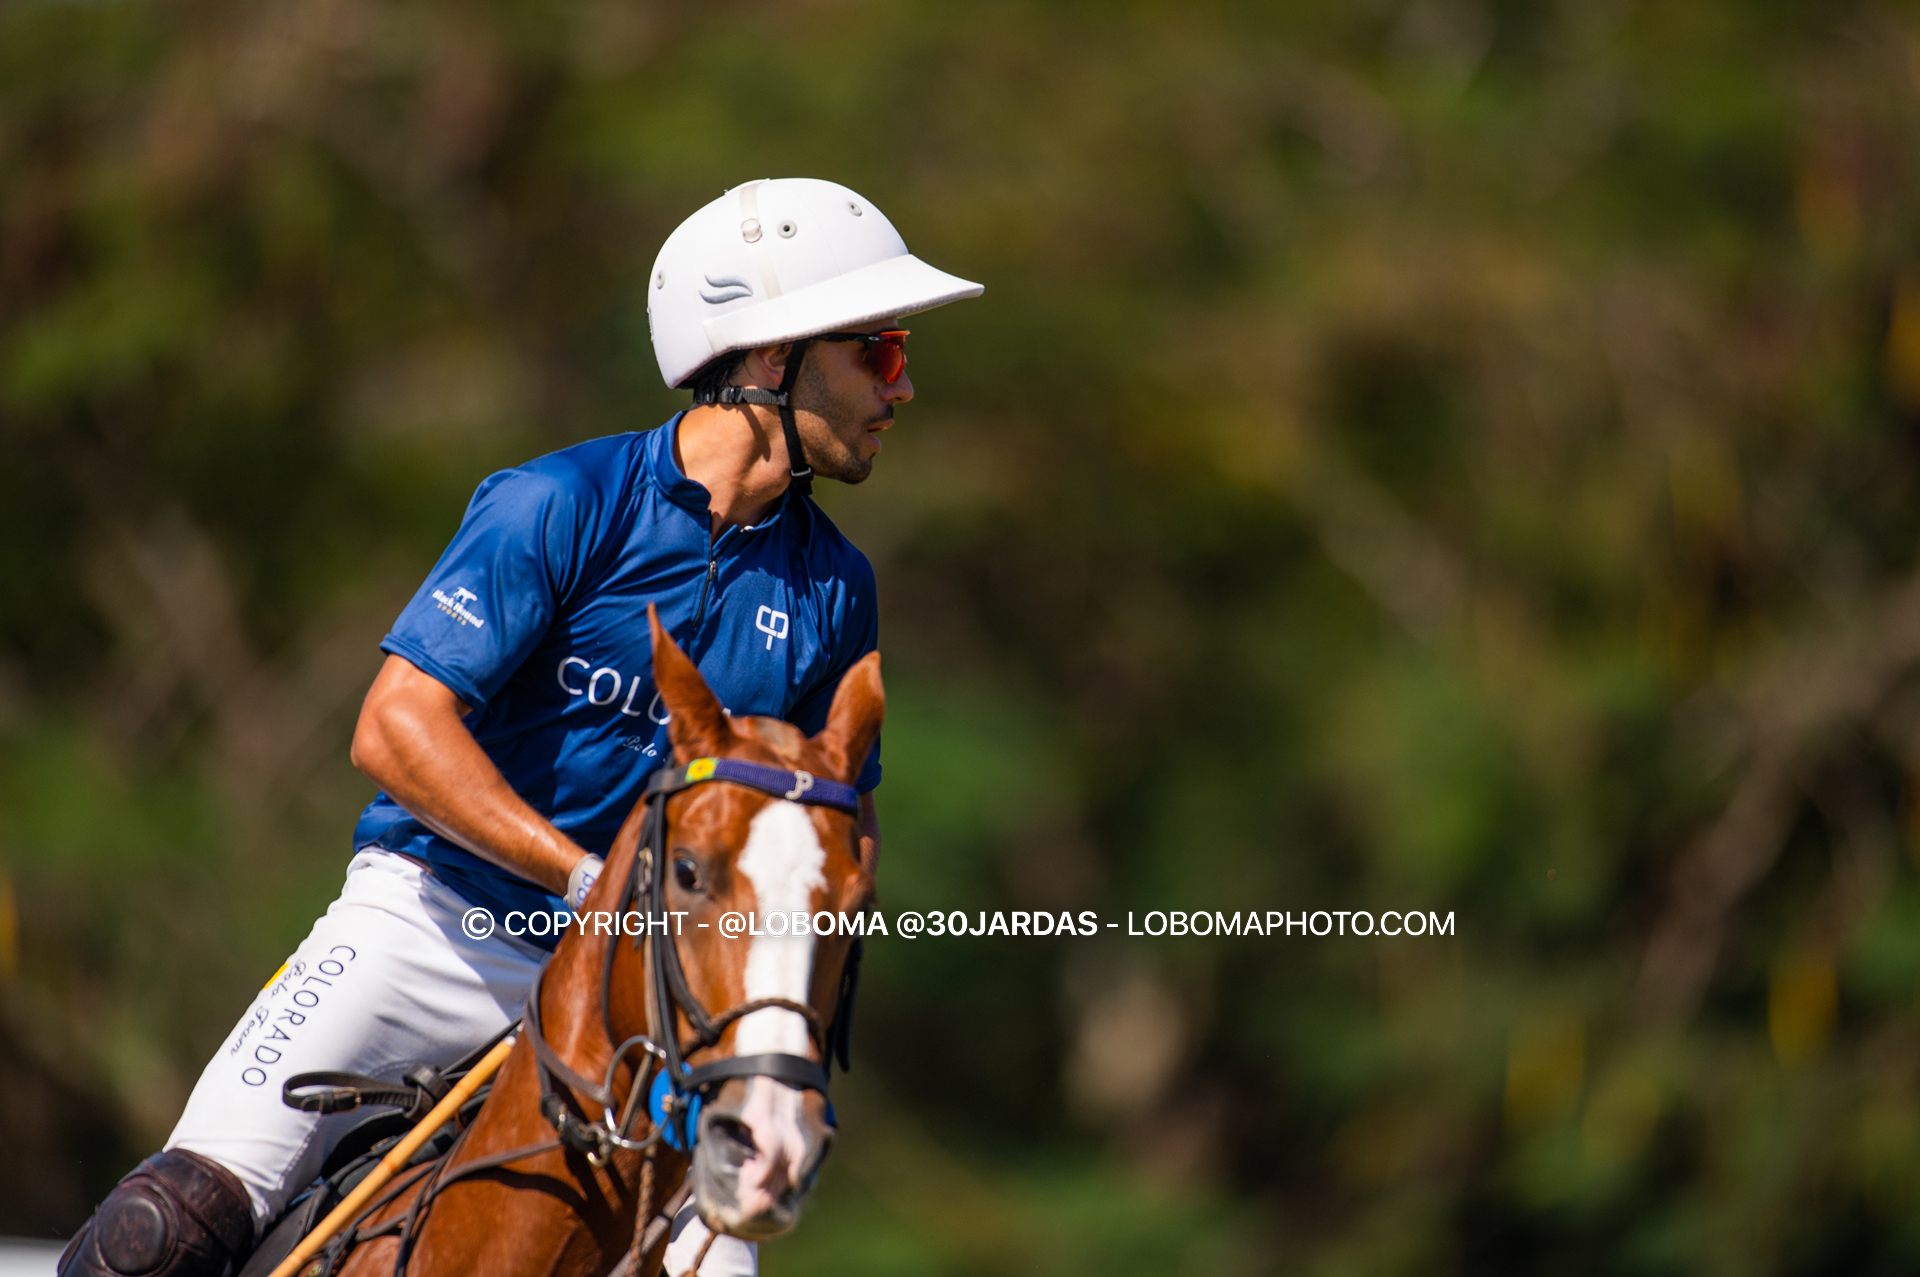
[{"x": 796, "y": 786}]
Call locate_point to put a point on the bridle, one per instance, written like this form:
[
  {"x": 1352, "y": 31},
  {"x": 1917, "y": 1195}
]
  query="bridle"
[
  {"x": 677, "y": 1087},
  {"x": 670, "y": 996}
]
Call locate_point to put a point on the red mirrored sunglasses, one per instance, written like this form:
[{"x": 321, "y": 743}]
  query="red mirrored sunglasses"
[{"x": 886, "y": 352}]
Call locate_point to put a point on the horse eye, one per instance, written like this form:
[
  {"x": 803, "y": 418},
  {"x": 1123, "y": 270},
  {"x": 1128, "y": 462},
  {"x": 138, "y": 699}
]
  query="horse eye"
[{"x": 685, "y": 874}]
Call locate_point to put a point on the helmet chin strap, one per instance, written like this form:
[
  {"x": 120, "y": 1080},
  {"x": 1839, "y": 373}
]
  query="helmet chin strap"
[{"x": 799, "y": 472}]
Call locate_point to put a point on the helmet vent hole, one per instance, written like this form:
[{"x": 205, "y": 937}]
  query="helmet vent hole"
[
  {"x": 750, "y": 230},
  {"x": 660, "y": 280},
  {"x": 787, "y": 230},
  {"x": 855, "y": 209}
]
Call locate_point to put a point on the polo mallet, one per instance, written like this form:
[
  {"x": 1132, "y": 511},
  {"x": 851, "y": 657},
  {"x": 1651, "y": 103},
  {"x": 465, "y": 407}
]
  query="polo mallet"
[{"x": 396, "y": 1160}]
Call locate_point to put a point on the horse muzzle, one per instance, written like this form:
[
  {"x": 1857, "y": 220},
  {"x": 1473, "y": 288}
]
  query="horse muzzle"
[{"x": 760, "y": 1147}]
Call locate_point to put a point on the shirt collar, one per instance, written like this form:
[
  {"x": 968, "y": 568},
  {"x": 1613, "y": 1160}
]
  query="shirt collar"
[{"x": 690, "y": 494}]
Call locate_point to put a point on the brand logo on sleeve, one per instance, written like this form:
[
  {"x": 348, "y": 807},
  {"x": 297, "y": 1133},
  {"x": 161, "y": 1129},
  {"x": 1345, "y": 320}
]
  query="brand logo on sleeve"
[{"x": 456, "y": 606}]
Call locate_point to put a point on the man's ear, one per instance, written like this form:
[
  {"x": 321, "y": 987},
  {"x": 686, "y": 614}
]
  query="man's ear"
[
  {"x": 696, "y": 723},
  {"x": 853, "y": 724},
  {"x": 768, "y": 364}
]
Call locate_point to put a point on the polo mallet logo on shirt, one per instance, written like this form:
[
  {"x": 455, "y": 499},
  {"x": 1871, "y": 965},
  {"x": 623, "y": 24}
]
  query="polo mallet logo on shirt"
[{"x": 772, "y": 624}]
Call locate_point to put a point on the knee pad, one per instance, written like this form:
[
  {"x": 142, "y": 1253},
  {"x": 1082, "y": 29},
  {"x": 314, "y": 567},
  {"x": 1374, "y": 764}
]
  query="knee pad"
[{"x": 177, "y": 1215}]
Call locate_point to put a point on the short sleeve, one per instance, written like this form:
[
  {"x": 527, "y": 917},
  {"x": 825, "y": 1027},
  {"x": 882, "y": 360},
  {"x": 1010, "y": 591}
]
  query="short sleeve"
[
  {"x": 497, "y": 587},
  {"x": 858, "y": 634}
]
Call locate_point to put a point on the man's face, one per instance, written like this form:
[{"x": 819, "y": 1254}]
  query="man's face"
[{"x": 841, "y": 406}]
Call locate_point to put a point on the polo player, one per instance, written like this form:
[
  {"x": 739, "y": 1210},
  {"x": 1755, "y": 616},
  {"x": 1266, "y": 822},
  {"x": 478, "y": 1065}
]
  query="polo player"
[{"x": 515, "y": 721}]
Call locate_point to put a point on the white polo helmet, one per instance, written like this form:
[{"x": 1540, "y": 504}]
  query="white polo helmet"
[{"x": 777, "y": 260}]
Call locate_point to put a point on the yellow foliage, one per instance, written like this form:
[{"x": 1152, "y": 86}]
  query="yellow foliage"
[
  {"x": 1620, "y": 1117},
  {"x": 1546, "y": 1061},
  {"x": 1903, "y": 342},
  {"x": 1802, "y": 1001}
]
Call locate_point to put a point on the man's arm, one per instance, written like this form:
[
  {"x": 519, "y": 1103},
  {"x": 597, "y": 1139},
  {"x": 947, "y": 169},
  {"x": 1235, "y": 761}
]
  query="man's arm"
[
  {"x": 410, "y": 742},
  {"x": 869, "y": 822}
]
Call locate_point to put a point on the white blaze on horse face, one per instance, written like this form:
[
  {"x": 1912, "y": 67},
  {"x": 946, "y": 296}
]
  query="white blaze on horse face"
[{"x": 783, "y": 860}]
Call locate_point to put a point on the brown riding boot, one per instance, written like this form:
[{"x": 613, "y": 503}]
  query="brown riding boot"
[{"x": 177, "y": 1215}]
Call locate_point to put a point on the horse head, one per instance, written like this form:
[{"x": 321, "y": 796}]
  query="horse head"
[{"x": 733, "y": 850}]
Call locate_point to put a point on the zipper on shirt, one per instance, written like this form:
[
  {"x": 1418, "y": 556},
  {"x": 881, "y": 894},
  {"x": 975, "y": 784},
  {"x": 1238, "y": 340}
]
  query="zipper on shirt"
[
  {"x": 708, "y": 586},
  {"x": 700, "y": 610}
]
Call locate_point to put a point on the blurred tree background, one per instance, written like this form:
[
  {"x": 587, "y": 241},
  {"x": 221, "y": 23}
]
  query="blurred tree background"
[{"x": 1439, "y": 454}]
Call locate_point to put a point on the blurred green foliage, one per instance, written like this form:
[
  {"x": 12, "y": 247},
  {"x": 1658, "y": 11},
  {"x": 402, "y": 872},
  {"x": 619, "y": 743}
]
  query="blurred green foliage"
[{"x": 1418, "y": 454}]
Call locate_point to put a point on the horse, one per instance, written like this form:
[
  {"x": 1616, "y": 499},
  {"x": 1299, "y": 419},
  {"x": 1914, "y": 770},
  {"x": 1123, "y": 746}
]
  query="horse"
[{"x": 754, "y": 820}]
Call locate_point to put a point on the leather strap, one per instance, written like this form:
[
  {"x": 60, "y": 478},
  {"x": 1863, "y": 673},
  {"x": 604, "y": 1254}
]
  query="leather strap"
[
  {"x": 549, "y": 1060},
  {"x": 839, "y": 1044},
  {"x": 794, "y": 1070},
  {"x": 799, "y": 472},
  {"x": 331, "y": 1092}
]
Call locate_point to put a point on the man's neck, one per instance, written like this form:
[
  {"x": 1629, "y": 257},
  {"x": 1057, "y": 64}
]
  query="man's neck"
[{"x": 739, "y": 456}]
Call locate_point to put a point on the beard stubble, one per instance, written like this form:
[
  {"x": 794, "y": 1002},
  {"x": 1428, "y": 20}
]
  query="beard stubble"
[{"x": 831, "y": 442}]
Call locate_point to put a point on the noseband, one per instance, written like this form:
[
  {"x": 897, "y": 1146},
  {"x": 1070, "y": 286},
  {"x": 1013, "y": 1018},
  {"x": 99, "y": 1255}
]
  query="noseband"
[{"x": 684, "y": 1087}]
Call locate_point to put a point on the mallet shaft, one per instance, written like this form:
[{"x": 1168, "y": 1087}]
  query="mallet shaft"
[{"x": 395, "y": 1161}]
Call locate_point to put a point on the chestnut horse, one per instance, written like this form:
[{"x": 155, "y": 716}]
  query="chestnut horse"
[{"x": 563, "y": 1169}]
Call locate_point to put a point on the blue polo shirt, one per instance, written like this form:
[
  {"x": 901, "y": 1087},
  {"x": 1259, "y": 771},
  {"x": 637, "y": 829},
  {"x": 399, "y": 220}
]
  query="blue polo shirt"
[{"x": 536, "y": 616}]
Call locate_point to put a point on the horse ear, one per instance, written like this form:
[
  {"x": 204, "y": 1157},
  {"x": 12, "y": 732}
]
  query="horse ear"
[
  {"x": 853, "y": 724},
  {"x": 696, "y": 723}
]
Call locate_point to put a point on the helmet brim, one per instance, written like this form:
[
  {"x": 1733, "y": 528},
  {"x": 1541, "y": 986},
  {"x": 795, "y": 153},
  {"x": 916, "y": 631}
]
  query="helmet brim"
[{"x": 902, "y": 285}]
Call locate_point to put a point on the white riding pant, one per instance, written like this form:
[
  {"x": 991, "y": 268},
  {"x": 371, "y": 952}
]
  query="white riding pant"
[{"x": 386, "y": 979}]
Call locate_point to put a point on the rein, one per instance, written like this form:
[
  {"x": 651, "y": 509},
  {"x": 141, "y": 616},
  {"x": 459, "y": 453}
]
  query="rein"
[{"x": 670, "y": 994}]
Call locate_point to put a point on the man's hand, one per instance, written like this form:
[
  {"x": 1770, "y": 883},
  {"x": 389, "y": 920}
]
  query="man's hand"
[{"x": 412, "y": 743}]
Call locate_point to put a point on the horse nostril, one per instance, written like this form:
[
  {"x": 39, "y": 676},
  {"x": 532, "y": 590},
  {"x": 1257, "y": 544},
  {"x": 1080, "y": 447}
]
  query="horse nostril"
[{"x": 739, "y": 1147}]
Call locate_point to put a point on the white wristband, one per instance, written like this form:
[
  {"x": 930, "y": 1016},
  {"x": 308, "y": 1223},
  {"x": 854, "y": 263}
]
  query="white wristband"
[{"x": 585, "y": 872}]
